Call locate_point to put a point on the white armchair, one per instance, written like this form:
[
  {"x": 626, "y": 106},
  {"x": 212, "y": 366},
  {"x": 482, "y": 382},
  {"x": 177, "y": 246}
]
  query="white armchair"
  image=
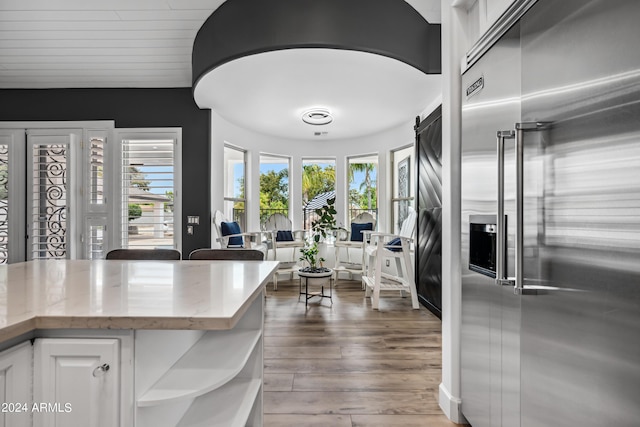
[
  {"x": 383, "y": 246},
  {"x": 230, "y": 235},
  {"x": 285, "y": 244},
  {"x": 349, "y": 246}
]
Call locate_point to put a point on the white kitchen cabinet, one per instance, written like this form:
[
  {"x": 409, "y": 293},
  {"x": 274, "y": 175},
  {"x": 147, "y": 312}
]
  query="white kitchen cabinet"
[
  {"x": 184, "y": 349},
  {"x": 15, "y": 386},
  {"x": 201, "y": 378},
  {"x": 76, "y": 382}
]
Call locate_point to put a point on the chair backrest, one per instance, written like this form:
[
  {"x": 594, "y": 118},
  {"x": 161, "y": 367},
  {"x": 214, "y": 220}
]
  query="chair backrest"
[
  {"x": 143, "y": 254},
  {"x": 363, "y": 218},
  {"x": 218, "y": 219},
  {"x": 277, "y": 221},
  {"x": 409, "y": 224},
  {"x": 227, "y": 254},
  {"x": 357, "y": 226}
]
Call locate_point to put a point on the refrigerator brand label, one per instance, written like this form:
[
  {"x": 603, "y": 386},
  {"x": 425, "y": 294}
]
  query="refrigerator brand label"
[{"x": 475, "y": 87}]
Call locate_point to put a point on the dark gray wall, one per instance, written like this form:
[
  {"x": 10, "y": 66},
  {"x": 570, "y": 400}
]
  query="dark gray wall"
[
  {"x": 172, "y": 107},
  {"x": 386, "y": 27}
]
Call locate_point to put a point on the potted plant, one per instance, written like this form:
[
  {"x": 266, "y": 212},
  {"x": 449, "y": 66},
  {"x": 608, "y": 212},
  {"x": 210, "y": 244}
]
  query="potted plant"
[
  {"x": 320, "y": 228},
  {"x": 309, "y": 254}
]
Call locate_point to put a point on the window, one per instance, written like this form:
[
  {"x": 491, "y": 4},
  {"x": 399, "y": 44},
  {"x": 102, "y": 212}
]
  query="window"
[
  {"x": 234, "y": 185},
  {"x": 318, "y": 185},
  {"x": 403, "y": 192},
  {"x": 52, "y": 191},
  {"x": 362, "y": 177},
  {"x": 274, "y": 186},
  {"x": 96, "y": 209},
  {"x": 148, "y": 214}
]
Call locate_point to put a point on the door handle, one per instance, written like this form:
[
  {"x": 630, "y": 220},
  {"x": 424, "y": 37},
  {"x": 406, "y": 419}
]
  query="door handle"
[
  {"x": 521, "y": 128},
  {"x": 101, "y": 370},
  {"x": 501, "y": 249}
]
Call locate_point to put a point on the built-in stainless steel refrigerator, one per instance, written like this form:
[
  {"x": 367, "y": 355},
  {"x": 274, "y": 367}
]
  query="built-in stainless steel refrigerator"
[{"x": 551, "y": 217}]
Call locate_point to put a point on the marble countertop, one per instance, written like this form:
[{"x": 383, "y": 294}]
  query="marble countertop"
[{"x": 82, "y": 294}]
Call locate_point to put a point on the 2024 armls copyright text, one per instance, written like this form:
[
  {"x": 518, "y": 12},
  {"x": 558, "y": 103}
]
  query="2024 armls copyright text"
[{"x": 45, "y": 407}]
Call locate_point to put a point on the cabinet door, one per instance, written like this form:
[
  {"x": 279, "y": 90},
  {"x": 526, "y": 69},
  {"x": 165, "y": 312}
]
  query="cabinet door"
[
  {"x": 15, "y": 386},
  {"x": 70, "y": 386}
]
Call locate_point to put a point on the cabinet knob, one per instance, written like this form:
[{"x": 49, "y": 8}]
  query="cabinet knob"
[{"x": 101, "y": 370}]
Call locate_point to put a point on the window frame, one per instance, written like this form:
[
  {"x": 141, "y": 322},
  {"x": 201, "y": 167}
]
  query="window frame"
[
  {"x": 120, "y": 134},
  {"x": 228, "y": 212},
  {"x": 349, "y": 159}
]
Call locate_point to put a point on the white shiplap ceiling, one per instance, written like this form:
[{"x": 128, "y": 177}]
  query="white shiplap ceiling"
[
  {"x": 108, "y": 43},
  {"x": 89, "y": 43}
]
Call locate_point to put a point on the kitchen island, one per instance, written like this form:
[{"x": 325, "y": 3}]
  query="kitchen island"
[{"x": 124, "y": 343}]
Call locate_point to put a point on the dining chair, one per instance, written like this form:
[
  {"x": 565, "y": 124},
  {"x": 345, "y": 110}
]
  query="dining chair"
[
  {"x": 144, "y": 254},
  {"x": 227, "y": 254}
]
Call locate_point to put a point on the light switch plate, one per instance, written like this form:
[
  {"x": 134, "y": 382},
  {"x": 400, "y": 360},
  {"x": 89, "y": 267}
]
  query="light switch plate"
[{"x": 192, "y": 219}]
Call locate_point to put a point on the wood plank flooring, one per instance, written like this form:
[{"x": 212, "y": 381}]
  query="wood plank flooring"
[{"x": 348, "y": 365}]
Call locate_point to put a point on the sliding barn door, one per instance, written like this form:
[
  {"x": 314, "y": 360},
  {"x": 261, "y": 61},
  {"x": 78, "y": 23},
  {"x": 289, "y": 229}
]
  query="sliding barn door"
[{"x": 429, "y": 250}]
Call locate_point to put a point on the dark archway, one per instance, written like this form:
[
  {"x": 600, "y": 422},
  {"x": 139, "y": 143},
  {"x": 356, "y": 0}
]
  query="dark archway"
[{"x": 390, "y": 28}]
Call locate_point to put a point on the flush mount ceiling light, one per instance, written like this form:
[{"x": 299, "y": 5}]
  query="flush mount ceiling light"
[{"x": 317, "y": 116}]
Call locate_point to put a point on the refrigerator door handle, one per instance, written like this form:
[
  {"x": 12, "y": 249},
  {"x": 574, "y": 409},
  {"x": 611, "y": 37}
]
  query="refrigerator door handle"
[
  {"x": 501, "y": 249},
  {"x": 521, "y": 128}
]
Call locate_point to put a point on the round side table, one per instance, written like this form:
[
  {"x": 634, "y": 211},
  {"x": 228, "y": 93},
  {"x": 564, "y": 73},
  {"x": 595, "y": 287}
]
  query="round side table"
[{"x": 316, "y": 279}]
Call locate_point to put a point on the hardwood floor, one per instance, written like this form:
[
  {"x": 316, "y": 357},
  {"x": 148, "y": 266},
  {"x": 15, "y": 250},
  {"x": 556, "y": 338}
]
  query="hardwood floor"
[{"x": 348, "y": 365}]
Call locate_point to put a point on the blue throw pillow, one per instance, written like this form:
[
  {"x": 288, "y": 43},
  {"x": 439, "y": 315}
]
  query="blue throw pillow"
[
  {"x": 284, "y": 236},
  {"x": 229, "y": 228},
  {"x": 394, "y": 245},
  {"x": 357, "y": 229}
]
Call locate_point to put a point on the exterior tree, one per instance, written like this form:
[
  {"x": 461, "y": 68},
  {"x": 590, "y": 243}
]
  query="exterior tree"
[
  {"x": 367, "y": 187},
  {"x": 275, "y": 188},
  {"x": 168, "y": 207},
  {"x": 138, "y": 179},
  {"x": 135, "y": 211},
  {"x": 317, "y": 180}
]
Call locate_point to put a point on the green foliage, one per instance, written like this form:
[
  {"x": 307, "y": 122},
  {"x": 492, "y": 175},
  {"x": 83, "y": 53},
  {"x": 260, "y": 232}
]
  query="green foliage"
[
  {"x": 135, "y": 211},
  {"x": 138, "y": 179},
  {"x": 367, "y": 187},
  {"x": 326, "y": 221},
  {"x": 274, "y": 186},
  {"x": 309, "y": 254},
  {"x": 240, "y": 188},
  {"x": 319, "y": 229},
  {"x": 168, "y": 207},
  {"x": 316, "y": 180},
  {"x": 360, "y": 200}
]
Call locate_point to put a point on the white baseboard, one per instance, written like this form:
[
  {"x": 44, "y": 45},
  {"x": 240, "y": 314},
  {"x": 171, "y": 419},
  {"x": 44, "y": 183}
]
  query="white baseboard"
[{"x": 451, "y": 406}]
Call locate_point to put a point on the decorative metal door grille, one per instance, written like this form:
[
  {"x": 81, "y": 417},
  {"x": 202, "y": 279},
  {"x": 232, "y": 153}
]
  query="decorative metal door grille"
[
  {"x": 4, "y": 203},
  {"x": 49, "y": 204}
]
